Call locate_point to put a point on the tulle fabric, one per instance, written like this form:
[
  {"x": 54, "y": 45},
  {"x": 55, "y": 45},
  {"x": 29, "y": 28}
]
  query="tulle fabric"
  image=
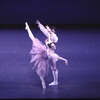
[{"x": 39, "y": 58}]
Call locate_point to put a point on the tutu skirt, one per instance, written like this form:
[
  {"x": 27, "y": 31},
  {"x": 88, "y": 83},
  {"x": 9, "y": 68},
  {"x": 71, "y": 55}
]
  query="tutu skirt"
[{"x": 39, "y": 58}]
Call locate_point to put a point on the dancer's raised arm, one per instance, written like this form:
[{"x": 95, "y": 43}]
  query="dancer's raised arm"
[
  {"x": 43, "y": 29},
  {"x": 29, "y": 31}
]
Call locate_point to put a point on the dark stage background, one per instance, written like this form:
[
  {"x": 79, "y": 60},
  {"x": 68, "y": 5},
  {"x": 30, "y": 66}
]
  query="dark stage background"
[
  {"x": 77, "y": 24},
  {"x": 50, "y": 11}
]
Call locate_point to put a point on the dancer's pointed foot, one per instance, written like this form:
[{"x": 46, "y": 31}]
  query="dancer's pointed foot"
[
  {"x": 26, "y": 26},
  {"x": 43, "y": 85},
  {"x": 53, "y": 83}
]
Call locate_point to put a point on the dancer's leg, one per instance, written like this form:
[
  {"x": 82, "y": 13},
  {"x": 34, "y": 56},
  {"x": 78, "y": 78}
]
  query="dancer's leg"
[
  {"x": 55, "y": 78},
  {"x": 43, "y": 82},
  {"x": 29, "y": 31},
  {"x": 31, "y": 37},
  {"x": 54, "y": 72}
]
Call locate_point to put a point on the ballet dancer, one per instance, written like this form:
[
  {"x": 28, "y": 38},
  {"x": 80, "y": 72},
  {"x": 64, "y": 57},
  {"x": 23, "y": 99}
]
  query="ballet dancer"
[
  {"x": 51, "y": 38},
  {"x": 41, "y": 57}
]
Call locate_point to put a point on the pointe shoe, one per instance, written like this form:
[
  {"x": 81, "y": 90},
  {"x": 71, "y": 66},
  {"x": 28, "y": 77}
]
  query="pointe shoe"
[
  {"x": 43, "y": 85},
  {"x": 53, "y": 83},
  {"x": 26, "y": 26}
]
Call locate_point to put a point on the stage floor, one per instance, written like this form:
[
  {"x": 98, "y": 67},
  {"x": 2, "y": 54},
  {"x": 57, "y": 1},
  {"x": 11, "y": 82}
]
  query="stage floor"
[{"x": 80, "y": 79}]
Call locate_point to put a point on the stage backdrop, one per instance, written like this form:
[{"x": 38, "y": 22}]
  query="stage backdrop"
[{"x": 50, "y": 11}]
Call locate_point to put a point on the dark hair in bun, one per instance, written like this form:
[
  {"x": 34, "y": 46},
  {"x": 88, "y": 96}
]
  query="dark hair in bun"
[{"x": 49, "y": 45}]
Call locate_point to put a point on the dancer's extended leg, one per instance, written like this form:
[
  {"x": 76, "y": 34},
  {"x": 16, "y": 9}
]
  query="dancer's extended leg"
[
  {"x": 29, "y": 31},
  {"x": 31, "y": 37}
]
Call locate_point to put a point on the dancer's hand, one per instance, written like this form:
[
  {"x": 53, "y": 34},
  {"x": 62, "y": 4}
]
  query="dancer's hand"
[
  {"x": 37, "y": 22},
  {"x": 66, "y": 62},
  {"x": 48, "y": 28}
]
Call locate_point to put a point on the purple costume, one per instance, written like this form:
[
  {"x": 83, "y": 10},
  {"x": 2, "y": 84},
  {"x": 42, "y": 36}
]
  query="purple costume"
[{"x": 39, "y": 57}]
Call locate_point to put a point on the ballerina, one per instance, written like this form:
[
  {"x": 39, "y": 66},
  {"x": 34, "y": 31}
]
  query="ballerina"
[{"x": 42, "y": 57}]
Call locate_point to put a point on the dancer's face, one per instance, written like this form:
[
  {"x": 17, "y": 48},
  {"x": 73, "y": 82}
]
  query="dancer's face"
[
  {"x": 53, "y": 46},
  {"x": 53, "y": 30}
]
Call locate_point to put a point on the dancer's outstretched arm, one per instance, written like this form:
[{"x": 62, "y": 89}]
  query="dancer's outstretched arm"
[
  {"x": 43, "y": 29},
  {"x": 29, "y": 31},
  {"x": 61, "y": 58}
]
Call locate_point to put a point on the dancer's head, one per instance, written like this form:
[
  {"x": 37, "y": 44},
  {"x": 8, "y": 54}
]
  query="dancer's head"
[
  {"x": 49, "y": 30},
  {"x": 52, "y": 46},
  {"x": 53, "y": 30}
]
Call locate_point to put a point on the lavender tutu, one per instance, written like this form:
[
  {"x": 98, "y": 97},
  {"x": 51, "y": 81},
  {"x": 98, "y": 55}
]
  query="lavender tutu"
[{"x": 39, "y": 58}]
